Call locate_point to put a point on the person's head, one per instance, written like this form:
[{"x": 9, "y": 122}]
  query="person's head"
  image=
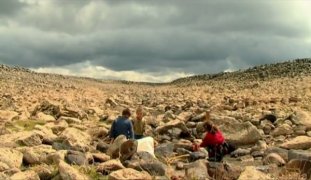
[
  {"x": 126, "y": 113},
  {"x": 207, "y": 115},
  {"x": 139, "y": 112},
  {"x": 210, "y": 127}
]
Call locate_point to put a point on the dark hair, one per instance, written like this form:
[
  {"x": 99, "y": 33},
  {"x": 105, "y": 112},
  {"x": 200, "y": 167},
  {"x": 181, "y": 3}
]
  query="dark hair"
[
  {"x": 126, "y": 112},
  {"x": 210, "y": 127}
]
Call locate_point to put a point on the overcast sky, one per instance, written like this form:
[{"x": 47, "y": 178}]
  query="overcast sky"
[{"x": 156, "y": 40}]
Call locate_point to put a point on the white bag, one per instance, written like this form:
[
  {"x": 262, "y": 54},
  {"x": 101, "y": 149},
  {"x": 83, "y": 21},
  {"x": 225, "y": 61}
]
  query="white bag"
[{"x": 146, "y": 144}]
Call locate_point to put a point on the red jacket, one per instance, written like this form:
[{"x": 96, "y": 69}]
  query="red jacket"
[{"x": 212, "y": 139}]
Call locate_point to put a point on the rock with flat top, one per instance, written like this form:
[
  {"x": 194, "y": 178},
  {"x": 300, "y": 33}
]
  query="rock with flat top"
[
  {"x": 299, "y": 142},
  {"x": 10, "y": 158},
  {"x": 252, "y": 173},
  {"x": 129, "y": 174}
]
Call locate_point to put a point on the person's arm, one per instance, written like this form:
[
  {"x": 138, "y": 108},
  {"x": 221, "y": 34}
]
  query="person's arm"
[
  {"x": 133, "y": 124},
  {"x": 131, "y": 130},
  {"x": 144, "y": 126},
  {"x": 112, "y": 131},
  {"x": 205, "y": 141}
]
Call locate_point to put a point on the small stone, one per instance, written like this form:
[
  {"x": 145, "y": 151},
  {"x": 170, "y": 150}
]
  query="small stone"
[
  {"x": 280, "y": 151},
  {"x": 257, "y": 154},
  {"x": 274, "y": 158},
  {"x": 100, "y": 157},
  {"x": 197, "y": 170},
  {"x": 76, "y": 158},
  {"x": 300, "y": 132},
  {"x": 247, "y": 158},
  {"x": 191, "y": 124},
  {"x": 284, "y": 129},
  {"x": 240, "y": 152},
  {"x": 102, "y": 147},
  {"x": 109, "y": 166},
  {"x": 258, "y": 158},
  {"x": 288, "y": 122},
  {"x": 44, "y": 172},
  {"x": 70, "y": 120},
  {"x": 280, "y": 138},
  {"x": 179, "y": 166}
]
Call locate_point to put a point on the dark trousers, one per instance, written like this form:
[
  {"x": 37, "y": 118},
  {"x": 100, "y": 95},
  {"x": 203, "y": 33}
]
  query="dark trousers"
[
  {"x": 216, "y": 153},
  {"x": 138, "y": 136}
]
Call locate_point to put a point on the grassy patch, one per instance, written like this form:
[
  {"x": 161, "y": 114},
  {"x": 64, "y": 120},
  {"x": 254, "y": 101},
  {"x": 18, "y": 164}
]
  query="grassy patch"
[
  {"x": 91, "y": 172},
  {"x": 27, "y": 125}
]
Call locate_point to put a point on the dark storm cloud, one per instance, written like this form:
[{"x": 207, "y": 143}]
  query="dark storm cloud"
[
  {"x": 9, "y": 7},
  {"x": 153, "y": 36}
]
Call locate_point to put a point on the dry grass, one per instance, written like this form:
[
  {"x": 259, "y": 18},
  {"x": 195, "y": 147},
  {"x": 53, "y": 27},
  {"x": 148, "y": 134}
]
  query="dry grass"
[
  {"x": 174, "y": 159},
  {"x": 292, "y": 174}
]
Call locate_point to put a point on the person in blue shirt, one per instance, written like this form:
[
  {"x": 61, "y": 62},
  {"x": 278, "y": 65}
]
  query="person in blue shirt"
[{"x": 122, "y": 126}]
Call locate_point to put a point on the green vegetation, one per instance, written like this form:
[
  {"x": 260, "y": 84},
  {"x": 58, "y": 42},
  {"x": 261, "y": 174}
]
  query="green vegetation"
[
  {"x": 26, "y": 125},
  {"x": 91, "y": 172}
]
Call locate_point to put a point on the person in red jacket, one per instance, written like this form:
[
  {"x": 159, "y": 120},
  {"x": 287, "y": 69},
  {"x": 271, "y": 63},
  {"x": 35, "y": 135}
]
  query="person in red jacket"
[{"x": 214, "y": 141}]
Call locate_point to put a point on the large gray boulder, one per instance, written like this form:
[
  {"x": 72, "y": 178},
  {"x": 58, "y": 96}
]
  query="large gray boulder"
[
  {"x": 76, "y": 139},
  {"x": 36, "y": 154},
  {"x": 171, "y": 125},
  {"x": 48, "y": 136},
  {"x": 299, "y": 142},
  {"x": 144, "y": 161},
  {"x": 240, "y": 133},
  {"x": 25, "y": 138},
  {"x": 299, "y": 154},
  {"x": 303, "y": 118}
]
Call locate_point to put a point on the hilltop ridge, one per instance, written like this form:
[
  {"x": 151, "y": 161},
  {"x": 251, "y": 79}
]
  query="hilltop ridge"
[{"x": 293, "y": 68}]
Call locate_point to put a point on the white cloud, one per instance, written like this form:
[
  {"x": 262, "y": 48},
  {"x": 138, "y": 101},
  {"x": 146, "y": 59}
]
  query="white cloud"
[{"x": 86, "y": 69}]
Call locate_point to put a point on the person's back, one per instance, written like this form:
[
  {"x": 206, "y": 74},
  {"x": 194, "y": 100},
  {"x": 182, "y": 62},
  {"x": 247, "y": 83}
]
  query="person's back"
[
  {"x": 213, "y": 139},
  {"x": 122, "y": 125}
]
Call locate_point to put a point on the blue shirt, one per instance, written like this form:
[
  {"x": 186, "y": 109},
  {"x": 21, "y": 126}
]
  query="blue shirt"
[{"x": 122, "y": 126}]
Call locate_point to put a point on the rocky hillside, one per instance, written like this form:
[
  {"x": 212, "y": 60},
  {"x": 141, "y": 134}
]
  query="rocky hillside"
[
  {"x": 56, "y": 127},
  {"x": 295, "y": 68}
]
